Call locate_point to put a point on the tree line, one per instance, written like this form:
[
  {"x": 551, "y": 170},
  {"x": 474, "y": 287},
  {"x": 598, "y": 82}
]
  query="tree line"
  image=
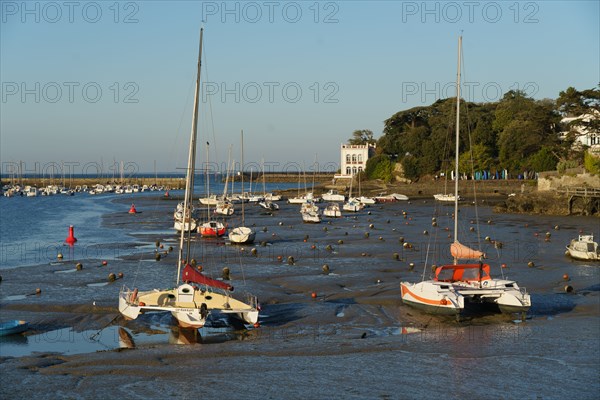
[{"x": 516, "y": 134}]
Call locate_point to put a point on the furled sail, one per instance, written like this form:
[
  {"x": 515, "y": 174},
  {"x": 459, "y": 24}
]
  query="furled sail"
[
  {"x": 462, "y": 252},
  {"x": 189, "y": 274}
]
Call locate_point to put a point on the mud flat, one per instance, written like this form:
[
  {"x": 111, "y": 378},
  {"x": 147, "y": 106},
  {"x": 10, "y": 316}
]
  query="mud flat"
[{"x": 354, "y": 339}]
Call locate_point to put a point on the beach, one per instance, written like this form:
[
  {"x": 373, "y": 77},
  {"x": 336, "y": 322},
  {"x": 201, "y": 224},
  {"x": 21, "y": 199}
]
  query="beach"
[{"x": 353, "y": 339}]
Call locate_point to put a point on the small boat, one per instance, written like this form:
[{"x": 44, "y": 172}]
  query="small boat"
[
  {"x": 333, "y": 195},
  {"x": 272, "y": 197},
  {"x": 269, "y": 205},
  {"x": 400, "y": 197},
  {"x": 242, "y": 234},
  {"x": 311, "y": 217},
  {"x": 584, "y": 248},
  {"x": 210, "y": 200},
  {"x": 385, "y": 198},
  {"x": 224, "y": 208},
  {"x": 309, "y": 206},
  {"x": 366, "y": 200},
  {"x": 13, "y": 327},
  {"x": 353, "y": 205},
  {"x": 449, "y": 198},
  {"x": 31, "y": 191},
  {"x": 212, "y": 229},
  {"x": 332, "y": 210},
  {"x": 190, "y": 223}
]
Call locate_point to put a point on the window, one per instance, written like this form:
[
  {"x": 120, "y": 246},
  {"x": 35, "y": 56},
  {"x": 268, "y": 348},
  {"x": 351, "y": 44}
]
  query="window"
[
  {"x": 348, "y": 158},
  {"x": 348, "y": 171},
  {"x": 353, "y": 158},
  {"x": 360, "y": 158}
]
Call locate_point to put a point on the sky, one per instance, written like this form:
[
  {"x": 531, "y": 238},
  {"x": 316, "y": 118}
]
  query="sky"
[{"x": 92, "y": 84}]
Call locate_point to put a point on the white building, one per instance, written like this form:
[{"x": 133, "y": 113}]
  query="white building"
[
  {"x": 584, "y": 137},
  {"x": 354, "y": 159}
]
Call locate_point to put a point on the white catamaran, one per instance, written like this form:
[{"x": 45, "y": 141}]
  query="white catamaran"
[{"x": 456, "y": 287}]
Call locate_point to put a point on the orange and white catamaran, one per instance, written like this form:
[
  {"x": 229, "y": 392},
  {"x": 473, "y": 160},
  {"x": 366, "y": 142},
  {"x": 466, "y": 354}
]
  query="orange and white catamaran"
[{"x": 455, "y": 287}]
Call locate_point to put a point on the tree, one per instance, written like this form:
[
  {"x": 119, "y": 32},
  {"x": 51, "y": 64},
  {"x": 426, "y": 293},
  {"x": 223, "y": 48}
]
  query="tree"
[
  {"x": 544, "y": 160},
  {"x": 362, "y": 136}
]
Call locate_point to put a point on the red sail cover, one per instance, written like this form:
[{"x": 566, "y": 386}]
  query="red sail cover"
[{"x": 190, "y": 274}]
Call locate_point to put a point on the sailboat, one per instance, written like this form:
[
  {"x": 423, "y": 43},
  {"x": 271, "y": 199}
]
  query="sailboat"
[
  {"x": 459, "y": 286},
  {"x": 267, "y": 203},
  {"x": 353, "y": 204},
  {"x": 195, "y": 295},
  {"x": 210, "y": 228},
  {"x": 242, "y": 234},
  {"x": 224, "y": 206}
]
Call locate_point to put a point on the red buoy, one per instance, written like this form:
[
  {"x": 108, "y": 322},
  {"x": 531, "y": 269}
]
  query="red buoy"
[
  {"x": 132, "y": 210},
  {"x": 167, "y": 193},
  {"x": 71, "y": 239}
]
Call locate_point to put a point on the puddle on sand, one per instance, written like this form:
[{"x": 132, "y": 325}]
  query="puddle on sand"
[
  {"x": 98, "y": 284},
  {"x": 16, "y": 297},
  {"x": 68, "y": 341}
]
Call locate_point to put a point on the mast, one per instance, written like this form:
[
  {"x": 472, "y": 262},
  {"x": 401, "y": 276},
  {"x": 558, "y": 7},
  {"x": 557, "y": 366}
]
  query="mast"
[
  {"x": 189, "y": 178},
  {"x": 456, "y": 177},
  {"x": 243, "y": 216}
]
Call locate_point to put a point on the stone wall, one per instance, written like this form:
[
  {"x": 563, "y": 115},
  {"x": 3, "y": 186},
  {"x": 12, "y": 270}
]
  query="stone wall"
[{"x": 552, "y": 182}]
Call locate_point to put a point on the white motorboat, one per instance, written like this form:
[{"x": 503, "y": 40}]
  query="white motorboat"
[
  {"x": 353, "y": 205},
  {"x": 311, "y": 217},
  {"x": 333, "y": 195},
  {"x": 449, "y": 198},
  {"x": 584, "y": 248},
  {"x": 332, "y": 210}
]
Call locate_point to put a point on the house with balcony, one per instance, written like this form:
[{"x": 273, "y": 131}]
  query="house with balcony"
[{"x": 354, "y": 159}]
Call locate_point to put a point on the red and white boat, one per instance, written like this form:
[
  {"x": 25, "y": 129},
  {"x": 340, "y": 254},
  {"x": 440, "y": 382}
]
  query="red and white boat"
[{"x": 212, "y": 229}]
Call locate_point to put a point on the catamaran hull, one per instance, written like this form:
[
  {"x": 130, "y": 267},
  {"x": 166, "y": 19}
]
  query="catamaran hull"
[{"x": 422, "y": 296}]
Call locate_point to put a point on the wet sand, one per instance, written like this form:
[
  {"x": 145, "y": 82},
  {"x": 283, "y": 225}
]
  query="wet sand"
[{"x": 355, "y": 340}]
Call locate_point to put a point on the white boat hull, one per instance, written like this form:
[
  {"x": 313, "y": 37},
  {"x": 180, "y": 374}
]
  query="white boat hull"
[{"x": 242, "y": 234}]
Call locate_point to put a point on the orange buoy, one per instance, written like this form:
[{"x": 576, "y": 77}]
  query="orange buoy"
[
  {"x": 70, "y": 240},
  {"x": 503, "y": 265},
  {"x": 132, "y": 210},
  {"x": 566, "y": 277},
  {"x": 104, "y": 263},
  {"x": 313, "y": 295},
  {"x": 256, "y": 325}
]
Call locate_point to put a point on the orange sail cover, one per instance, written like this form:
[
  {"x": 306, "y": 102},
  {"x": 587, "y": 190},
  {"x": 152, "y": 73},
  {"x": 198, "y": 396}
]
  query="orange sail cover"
[{"x": 462, "y": 252}]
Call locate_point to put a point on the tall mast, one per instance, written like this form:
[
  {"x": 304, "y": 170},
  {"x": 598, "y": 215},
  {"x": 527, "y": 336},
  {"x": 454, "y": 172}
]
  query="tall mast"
[
  {"x": 457, "y": 147},
  {"x": 243, "y": 216},
  {"x": 189, "y": 178}
]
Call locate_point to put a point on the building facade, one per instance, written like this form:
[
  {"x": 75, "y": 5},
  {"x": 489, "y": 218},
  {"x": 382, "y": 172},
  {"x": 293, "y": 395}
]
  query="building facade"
[
  {"x": 584, "y": 137},
  {"x": 354, "y": 158}
]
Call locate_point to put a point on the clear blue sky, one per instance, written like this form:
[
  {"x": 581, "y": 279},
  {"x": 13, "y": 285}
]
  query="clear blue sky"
[{"x": 355, "y": 62}]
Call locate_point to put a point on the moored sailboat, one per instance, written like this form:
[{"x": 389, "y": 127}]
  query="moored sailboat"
[
  {"x": 195, "y": 295},
  {"x": 456, "y": 287}
]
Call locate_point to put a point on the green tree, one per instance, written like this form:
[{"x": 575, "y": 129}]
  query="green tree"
[
  {"x": 380, "y": 167},
  {"x": 544, "y": 160},
  {"x": 362, "y": 136}
]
